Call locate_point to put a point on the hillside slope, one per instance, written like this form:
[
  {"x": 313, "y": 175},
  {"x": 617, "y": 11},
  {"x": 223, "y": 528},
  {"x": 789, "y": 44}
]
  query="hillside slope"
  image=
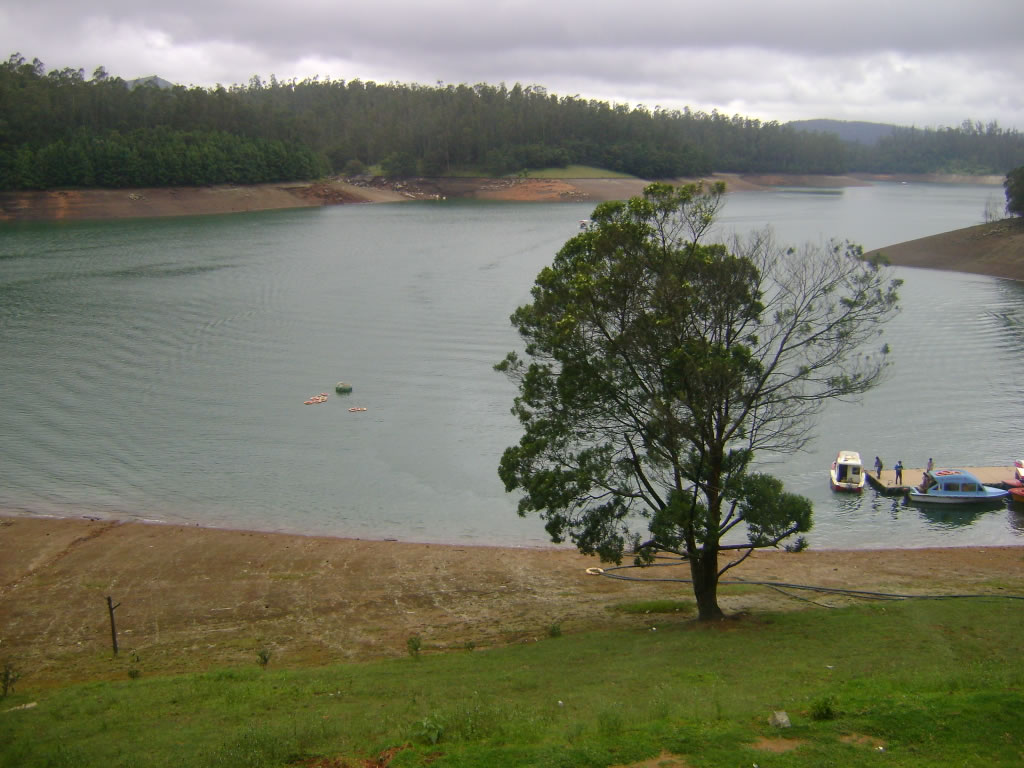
[{"x": 995, "y": 249}]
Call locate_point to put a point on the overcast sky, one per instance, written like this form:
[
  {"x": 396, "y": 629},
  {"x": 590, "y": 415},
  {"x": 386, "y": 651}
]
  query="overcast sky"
[{"x": 912, "y": 62}]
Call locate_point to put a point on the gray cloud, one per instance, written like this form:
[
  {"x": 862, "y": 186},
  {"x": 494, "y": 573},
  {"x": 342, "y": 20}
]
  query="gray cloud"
[{"x": 911, "y": 61}]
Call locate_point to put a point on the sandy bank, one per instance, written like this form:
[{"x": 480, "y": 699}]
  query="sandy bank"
[
  {"x": 84, "y": 204},
  {"x": 192, "y": 598},
  {"x": 995, "y": 249},
  {"x": 79, "y": 204}
]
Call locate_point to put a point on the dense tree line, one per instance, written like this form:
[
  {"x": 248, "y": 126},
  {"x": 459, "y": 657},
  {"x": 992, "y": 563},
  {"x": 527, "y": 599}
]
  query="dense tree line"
[
  {"x": 971, "y": 148},
  {"x": 158, "y": 158},
  {"x": 59, "y": 128}
]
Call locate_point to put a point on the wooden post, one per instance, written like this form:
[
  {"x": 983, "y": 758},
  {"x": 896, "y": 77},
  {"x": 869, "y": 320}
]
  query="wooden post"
[{"x": 113, "y": 627}]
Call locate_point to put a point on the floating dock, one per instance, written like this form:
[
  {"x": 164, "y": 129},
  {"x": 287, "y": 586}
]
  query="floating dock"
[{"x": 997, "y": 477}]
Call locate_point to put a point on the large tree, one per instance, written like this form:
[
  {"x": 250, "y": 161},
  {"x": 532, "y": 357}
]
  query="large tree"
[
  {"x": 1014, "y": 186},
  {"x": 656, "y": 366}
]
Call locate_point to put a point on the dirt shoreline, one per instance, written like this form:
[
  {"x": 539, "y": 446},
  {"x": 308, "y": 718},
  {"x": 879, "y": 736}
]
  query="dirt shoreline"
[
  {"x": 193, "y": 598},
  {"x": 79, "y": 204}
]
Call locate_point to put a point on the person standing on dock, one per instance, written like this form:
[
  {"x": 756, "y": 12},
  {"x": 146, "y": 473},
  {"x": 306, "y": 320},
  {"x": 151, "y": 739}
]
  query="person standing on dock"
[
  {"x": 899, "y": 472},
  {"x": 878, "y": 467}
]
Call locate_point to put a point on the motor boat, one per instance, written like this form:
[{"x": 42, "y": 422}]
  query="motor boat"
[
  {"x": 953, "y": 486},
  {"x": 847, "y": 473}
]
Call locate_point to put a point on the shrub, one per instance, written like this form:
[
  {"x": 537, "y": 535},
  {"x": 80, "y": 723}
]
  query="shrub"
[
  {"x": 414, "y": 644},
  {"x": 824, "y": 708},
  {"x": 263, "y": 657},
  {"x": 8, "y": 679}
]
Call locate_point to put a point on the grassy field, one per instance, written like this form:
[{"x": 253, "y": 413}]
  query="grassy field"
[
  {"x": 577, "y": 172},
  {"x": 926, "y": 683},
  {"x": 569, "y": 172}
]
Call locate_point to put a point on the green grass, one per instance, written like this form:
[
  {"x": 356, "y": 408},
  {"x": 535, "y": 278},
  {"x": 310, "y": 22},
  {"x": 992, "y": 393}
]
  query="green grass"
[
  {"x": 936, "y": 683},
  {"x": 577, "y": 172},
  {"x": 684, "y": 607},
  {"x": 569, "y": 172}
]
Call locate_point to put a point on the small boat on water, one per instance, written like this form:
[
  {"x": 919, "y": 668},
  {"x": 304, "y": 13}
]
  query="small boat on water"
[
  {"x": 1017, "y": 492},
  {"x": 847, "y": 473},
  {"x": 953, "y": 486}
]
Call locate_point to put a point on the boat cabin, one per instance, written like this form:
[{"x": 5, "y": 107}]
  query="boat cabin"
[
  {"x": 951, "y": 481},
  {"x": 846, "y": 472},
  {"x": 848, "y": 467}
]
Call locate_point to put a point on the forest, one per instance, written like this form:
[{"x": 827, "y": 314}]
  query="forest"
[{"x": 60, "y": 129}]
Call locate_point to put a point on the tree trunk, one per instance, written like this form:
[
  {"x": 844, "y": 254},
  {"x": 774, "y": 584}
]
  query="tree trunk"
[{"x": 704, "y": 572}]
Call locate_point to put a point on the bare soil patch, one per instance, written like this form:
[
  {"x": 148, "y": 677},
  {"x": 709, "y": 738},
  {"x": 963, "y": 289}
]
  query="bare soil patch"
[
  {"x": 664, "y": 760},
  {"x": 863, "y": 741},
  {"x": 777, "y": 746},
  {"x": 194, "y": 598}
]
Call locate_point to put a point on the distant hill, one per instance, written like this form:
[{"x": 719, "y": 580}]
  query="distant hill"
[
  {"x": 847, "y": 130},
  {"x": 159, "y": 82}
]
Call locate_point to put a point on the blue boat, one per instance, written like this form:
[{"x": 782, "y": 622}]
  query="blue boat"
[{"x": 953, "y": 486}]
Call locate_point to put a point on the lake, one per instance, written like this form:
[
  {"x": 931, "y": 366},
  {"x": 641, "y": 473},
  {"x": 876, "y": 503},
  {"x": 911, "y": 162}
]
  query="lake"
[{"x": 157, "y": 369}]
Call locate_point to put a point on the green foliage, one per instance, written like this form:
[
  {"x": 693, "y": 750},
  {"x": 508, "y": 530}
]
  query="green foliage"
[
  {"x": 970, "y": 148},
  {"x": 158, "y": 158},
  {"x": 555, "y": 630},
  {"x": 657, "y": 367},
  {"x": 1014, "y": 185},
  {"x": 398, "y": 165},
  {"x": 263, "y": 657},
  {"x": 60, "y": 129},
  {"x": 8, "y": 679},
  {"x": 824, "y": 708},
  {"x": 414, "y": 645},
  {"x": 354, "y": 167},
  {"x": 429, "y": 731}
]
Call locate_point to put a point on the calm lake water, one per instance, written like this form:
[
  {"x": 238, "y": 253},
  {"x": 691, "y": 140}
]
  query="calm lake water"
[{"x": 157, "y": 369}]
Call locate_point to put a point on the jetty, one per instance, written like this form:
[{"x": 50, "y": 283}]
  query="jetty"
[{"x": 997, "y": 477}]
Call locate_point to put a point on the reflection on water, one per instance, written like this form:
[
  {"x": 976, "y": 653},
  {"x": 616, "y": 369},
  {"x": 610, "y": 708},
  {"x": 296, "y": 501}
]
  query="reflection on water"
[
  {"x": 956, "y": 515},
  {"x": 157, "y": 369},
  {"x": 1017, "y": 516}
]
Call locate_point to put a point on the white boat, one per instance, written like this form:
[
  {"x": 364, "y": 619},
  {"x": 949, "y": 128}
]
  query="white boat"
[
  {"x": 847, "y": 473},
  {"x": 953, "y": 486}
]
